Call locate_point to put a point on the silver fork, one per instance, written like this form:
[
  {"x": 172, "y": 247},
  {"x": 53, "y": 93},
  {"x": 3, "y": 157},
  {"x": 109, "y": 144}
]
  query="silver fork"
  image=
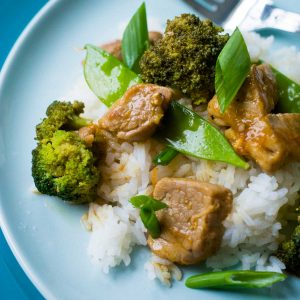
[{"x": 247, "y": 14}]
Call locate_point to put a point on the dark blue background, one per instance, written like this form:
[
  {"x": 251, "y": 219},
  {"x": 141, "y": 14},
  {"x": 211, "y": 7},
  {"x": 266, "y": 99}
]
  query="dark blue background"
[{"x": 14, "y": 16}]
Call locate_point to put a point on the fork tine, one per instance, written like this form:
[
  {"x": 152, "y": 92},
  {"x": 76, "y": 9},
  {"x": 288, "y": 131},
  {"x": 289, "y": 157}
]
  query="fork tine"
[
  {"x": 213, "y": 2},
  {"x": 209, "y": 5},
  {"x": 216, "y": 10},
  {"x": 219, "y": 1}
]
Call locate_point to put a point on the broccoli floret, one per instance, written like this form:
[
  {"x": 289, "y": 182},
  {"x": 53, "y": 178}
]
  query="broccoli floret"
[
  {"x": 289, "y": 252},
  {"x": 61, "y": 115},
  {"x": 63, "y": 166},
  {"x": 185, "y": 57},
  {"x": 296, "y": 237}
]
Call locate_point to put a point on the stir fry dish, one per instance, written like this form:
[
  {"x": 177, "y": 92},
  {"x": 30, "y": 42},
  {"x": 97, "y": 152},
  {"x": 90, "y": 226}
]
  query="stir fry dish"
[{"x": 195, "y": 154}]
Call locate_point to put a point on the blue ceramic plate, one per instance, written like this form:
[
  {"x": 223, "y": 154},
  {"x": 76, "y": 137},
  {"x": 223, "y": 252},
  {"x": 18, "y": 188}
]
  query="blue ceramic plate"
[{"x": 44, "y": 233}]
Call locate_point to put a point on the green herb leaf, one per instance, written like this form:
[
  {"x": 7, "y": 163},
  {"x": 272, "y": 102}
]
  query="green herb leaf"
[
  {"x": 141, "y": 201},
  {"x": 135, "y": 39},
  {"x": 232, "y": 67},
  {"x": 165, "y": 156},
  {"x": 106, "y": 76},
  {"x": 228, "y": 279},
  {"x": 289, "y": 94},
  {"x": 151, "y": 222},
  {"x": 190, "y": 134}
]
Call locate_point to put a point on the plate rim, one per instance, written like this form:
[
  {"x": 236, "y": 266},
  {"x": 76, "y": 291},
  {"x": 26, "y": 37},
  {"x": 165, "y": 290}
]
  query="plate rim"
[{"x": 7, "y": 66}]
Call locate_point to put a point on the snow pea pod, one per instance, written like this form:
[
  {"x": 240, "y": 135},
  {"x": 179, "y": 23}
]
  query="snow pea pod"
[
  {"x": 106, "y": 76},
  {"x": 288, "y": 92},
  {"x": 190, "y": 134},
  {"x": 230, "y": 279}
]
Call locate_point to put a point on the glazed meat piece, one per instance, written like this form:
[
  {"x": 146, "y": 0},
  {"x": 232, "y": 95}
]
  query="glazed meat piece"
[
  {"x": 256, "y": 98},
  {"x": 114, "y": 47},
  {"x": 136, "y": 115},
  {"x": 248, "y": 128},
  {"x": 88, "y": 134},
  {"x": 154, "y": 36},
  {"x": 192, "y": 227},
  {"x": 287, "y": 128}
]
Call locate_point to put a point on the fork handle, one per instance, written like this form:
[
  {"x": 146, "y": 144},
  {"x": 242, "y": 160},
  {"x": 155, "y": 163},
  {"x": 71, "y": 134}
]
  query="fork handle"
[{"x": 273, "y": 17}]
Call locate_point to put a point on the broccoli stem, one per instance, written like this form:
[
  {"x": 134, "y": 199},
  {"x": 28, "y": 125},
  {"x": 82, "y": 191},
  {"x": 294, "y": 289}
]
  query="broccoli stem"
[{"x": 78, "y": 122}]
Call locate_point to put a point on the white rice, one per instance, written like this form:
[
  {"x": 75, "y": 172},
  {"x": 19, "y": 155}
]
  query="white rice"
[
  {"x": 162, "y": 269},
  {"x": 251, "y": 230},
  {"x": 253, "y": 227},
  {"x": 285, "y": 59},
  {"x": 116, "y": 229},
  {"x": 114, "y": 233}
]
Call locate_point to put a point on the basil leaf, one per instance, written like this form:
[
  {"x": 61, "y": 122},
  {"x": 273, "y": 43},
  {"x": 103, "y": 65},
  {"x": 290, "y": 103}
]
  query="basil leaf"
[
  {"x": 242, "y": 279},
  {"x": 165, "y": 156},
  {"x": 141, "y": 201},
  {"x": 190, "y": 134},
  {"x": 106, "y": 76},
  {"x": 151, "y": 222},
  {"x": 232, "y": 67},
  {"x": 135, "y": 39}
]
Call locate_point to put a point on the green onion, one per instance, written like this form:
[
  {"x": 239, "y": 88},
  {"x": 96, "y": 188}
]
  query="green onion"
[
  {"x": 148, "y": 206},
  {"x": 106, "y": 76},
  {"x": 165, "y": 156},
  {"x": 151, "y": 222},
  {"x": 232, "y": 67},
  {"x": 135, "y": 39},
  {"x": 229, "y": 279},
  {"x": 190, "y": 134},
  {"x": 141, "y": 201}
]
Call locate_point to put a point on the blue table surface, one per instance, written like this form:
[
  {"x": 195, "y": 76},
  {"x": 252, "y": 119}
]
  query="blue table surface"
[{"x": 14, "y": 16}]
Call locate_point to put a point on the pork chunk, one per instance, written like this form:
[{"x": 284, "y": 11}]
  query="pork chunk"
[
  {"x": 287, "y": 128},
  {"x": 248, "y": 127},
  {"x": 136, "y": 115},
  {"x": 192, "y": 227},
  {"x": 256, "y": 98},
  {"x": 114, "y": 47}
]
